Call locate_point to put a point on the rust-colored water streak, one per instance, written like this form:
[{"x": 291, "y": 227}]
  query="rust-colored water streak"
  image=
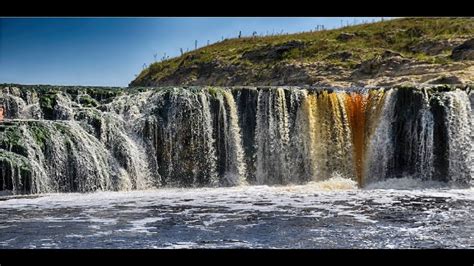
[
  {"x": 339, "y": 126},
  {"x": 356, "y": 106}
]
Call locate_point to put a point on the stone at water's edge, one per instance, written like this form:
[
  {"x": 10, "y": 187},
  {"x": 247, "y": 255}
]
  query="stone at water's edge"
[{"x": 66, "y": 139}]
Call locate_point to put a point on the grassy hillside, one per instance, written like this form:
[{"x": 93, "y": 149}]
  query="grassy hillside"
[{"x": 366, "y": 54}]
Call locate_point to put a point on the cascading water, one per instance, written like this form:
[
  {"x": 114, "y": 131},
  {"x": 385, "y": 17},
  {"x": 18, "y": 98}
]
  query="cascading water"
[
  {"x": 235, "y": 167},
  {"x": 86, "y": 139},
  {"x": 272, "y": 138}
]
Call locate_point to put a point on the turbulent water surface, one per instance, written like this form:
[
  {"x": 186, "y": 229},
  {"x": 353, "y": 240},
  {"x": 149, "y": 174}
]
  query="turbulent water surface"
[{"x": 330, "y": 214}]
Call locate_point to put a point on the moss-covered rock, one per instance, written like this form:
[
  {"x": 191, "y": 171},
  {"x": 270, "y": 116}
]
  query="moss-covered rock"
[
  {"x": 47, "y": 102},
  {"x": 11, "y": 139},
  {"x": 15, "y": 172}
]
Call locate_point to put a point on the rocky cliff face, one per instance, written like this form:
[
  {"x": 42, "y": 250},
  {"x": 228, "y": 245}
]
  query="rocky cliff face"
[{"x": 67, "y": 139}]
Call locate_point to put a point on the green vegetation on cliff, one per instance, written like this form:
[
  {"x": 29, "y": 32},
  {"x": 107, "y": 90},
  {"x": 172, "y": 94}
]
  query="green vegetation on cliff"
[{"x": 381, "y": 53}]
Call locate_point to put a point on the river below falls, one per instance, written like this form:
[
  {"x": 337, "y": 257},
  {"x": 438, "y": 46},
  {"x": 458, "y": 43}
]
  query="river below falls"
[{"x": 316, "y": 215}]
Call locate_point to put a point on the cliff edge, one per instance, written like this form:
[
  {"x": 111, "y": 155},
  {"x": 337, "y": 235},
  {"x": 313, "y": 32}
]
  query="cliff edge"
[{"x": 386, "y": 53}]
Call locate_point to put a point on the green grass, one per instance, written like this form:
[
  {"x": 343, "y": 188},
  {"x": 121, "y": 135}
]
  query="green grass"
[{"x": 370, "y": 40}]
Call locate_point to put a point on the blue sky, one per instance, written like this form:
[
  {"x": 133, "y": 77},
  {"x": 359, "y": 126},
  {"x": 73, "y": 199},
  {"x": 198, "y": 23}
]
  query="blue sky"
[{"x": 111, "y": 51}]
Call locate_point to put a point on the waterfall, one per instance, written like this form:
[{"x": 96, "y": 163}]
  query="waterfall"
[
  {"x": 208, "y": 138},
  {"x": 329, "y": 133},
  {"x": 380, "y": 148},
  {"x": 272, "y": 137},
  {"x": 459, "y": 124},
  {"x": 66, "y": 139},
  {"x": 235, "y": 165}
]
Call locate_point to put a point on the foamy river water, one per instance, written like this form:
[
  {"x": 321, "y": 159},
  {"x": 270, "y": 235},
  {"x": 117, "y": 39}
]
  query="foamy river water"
[{"x": 331, "y": 214}]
